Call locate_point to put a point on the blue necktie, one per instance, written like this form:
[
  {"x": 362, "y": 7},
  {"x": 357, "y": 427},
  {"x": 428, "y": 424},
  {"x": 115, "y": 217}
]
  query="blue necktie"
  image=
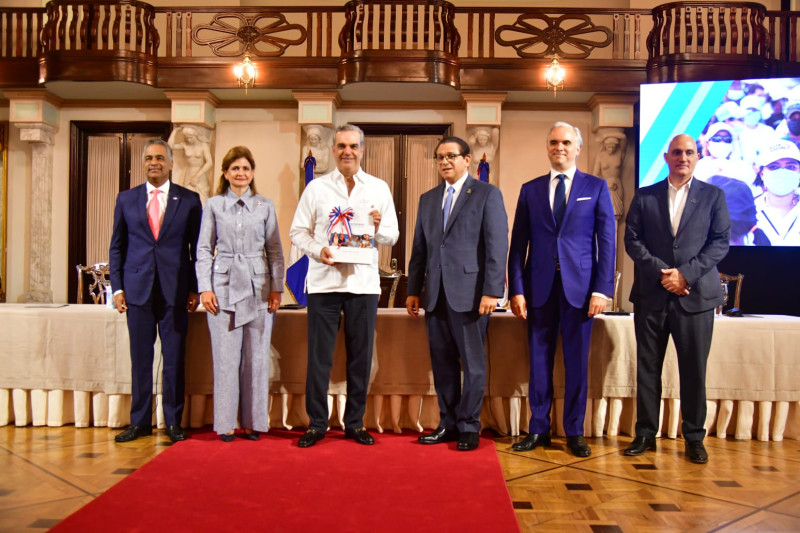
[
  {"x": 560, "y": 200},
  {"x": 448, "y": 203}
]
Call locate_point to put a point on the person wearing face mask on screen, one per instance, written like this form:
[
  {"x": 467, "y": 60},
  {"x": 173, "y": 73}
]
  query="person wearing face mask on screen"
[
  {"x": 793, "y": 122},
  {"x": 721, "y": 160},
  {"x": 777, "y": 210},
  {"x": 754, "y": 135}
]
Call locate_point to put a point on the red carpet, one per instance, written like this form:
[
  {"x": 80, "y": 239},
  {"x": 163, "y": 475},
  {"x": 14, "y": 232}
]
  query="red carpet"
[{"x": 204, "y": 484}]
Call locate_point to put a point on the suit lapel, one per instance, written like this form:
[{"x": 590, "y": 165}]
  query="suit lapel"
[
  {"x": 173, "y": 202},
  {"x": 463, "y": 198},
  {"x": 542, "y": 196},
  {"x": 695, "y": 191},
  {"x": 578, "y": 185},
  {"x": 140, "y": 209},
  {"x": 663, "y": 206}
]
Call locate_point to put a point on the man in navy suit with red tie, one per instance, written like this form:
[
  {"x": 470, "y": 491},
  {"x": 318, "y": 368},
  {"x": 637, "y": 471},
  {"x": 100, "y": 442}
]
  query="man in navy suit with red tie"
[
  {"x": 151, "y": 265},
  {"x": 560, "y": 275}
]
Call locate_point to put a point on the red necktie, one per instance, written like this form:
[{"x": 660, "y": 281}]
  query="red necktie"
[{"x": 154, "y": 213}]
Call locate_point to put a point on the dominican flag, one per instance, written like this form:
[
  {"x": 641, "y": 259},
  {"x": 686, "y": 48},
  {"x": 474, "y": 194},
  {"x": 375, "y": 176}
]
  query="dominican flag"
[
  {"x": 483, "y": 170},
  {"x": 298, "y": 262}
]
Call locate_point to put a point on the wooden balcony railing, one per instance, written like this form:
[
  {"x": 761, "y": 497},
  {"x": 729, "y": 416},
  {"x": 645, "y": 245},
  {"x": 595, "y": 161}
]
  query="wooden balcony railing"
[
  {"x": 106, "y": 39},
  {"x": 20, "y": 45},
  {"x": 413, "y": 40},
  {"x": 383, "y": 40}
]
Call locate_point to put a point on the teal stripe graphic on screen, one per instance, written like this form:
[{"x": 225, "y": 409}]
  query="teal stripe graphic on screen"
[{"x": 687, "y": 108}]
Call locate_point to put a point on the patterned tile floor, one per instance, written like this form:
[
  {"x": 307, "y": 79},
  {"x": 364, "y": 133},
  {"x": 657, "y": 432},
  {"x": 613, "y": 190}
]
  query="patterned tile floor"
[{"x": 48, "y": 473}]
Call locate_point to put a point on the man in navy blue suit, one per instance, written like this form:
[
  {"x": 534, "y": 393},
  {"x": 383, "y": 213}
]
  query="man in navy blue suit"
[
  {"x": 677, "y": 231},
  {"x": 151, "y": 265},
  {"x": 560, "y": 275},
  {"x": 459, "y": 254}
]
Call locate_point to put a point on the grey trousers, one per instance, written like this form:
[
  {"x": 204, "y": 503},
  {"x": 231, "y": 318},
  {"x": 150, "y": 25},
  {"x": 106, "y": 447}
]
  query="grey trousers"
[{"x": 241, "y": 371}]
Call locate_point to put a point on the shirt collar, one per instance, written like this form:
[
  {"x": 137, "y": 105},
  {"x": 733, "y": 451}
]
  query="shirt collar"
[
  {"x": 458, "y": 185},
  {"x": 164, "y": 188},
  {"x": 247, "y": 198},
  {"x": 357, "y": 176},
  {"x": 569, "y": 173},
  {"x": 685, "y": 187}
]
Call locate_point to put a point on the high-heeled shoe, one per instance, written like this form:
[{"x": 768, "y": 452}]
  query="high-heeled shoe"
[
  {"x": 227, "y": 437},
  {"x": 249, "y": 435}
]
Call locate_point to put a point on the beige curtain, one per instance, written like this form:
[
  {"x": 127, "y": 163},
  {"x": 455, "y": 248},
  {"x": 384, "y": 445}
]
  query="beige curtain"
[
  {"x": 101, "y": 193},
  {"x": 379, "y": 161},
  {"x": 422, "y": 176}
]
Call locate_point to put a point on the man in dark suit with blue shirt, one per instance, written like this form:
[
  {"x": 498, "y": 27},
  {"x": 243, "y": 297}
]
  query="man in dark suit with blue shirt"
[
  {"x": 459, "y": 254},
  {"x": 677, "y": 231},
  {"x": 560, "y": 275},
  {"x": 151, "y": 265}
]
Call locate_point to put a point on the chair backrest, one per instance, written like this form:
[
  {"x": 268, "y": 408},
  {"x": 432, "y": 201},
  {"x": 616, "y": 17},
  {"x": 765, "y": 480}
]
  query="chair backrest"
[
  {"x": 97, "y": 274},
  {"x": 726, "y": 280}
]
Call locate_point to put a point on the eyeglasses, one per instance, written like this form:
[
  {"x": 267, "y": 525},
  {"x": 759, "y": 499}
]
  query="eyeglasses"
[
  {"x": 721, "y": 139},
  {"x": 446, "y": 157}
]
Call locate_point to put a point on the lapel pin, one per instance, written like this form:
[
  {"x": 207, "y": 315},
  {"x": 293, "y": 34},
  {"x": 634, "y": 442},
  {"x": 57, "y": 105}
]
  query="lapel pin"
[
  {"x": 174, "y": 197},
  {"x": 469, "y": 191}
]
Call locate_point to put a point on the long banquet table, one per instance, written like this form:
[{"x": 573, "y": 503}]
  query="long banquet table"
[{"x": 70, "y": 364}]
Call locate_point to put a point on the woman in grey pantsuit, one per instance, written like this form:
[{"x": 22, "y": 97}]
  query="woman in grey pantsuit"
[{"x": 240, "y": 287}]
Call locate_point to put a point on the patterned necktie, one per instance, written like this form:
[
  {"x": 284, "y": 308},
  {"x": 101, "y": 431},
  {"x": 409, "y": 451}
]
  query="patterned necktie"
[
  {"x": 448, "y": 203},
  {"x": 560, "y": 200},
  {"x": 154, "y": 213}
]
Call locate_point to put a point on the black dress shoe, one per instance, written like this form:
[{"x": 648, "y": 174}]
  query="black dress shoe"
[
  {"x": 577, "y": 445},
  {"x": 468, "y": 440},
  {"x": 438, "y": 436},
  {"x": 641, "y": 445},
  {"x": 133, "y": 433},
  {"x": 310, "y": 438},
  {"x": 251, "y": 435},
  {"x": 532, "y": 441},
  {"x": 696, "y": 452},
  {"x": 175, "y": 433},
  {"x": 227, "y": 437},
  {"x": 360, "y": 435}
]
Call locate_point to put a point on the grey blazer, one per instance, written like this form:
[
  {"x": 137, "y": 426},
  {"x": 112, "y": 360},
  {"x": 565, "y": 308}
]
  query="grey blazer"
[
  {"x": 468, "y": 258},
  {"x": 239, "y": 253},
  {"x": 702, "y": 241}
]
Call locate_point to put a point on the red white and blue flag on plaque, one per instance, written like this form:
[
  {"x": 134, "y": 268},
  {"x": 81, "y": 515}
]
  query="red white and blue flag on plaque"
[{"x": 298, "y": 261}]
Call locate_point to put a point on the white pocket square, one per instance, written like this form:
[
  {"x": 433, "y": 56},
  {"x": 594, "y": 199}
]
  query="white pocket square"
[{"x": 584, "y": 198}]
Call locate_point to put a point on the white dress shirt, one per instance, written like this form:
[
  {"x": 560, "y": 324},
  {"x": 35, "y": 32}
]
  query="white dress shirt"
[
  {"x": 309, "y": 230},
  {"x": 677, "y": 203}
]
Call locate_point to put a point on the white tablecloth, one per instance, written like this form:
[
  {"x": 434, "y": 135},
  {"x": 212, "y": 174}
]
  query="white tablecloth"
[{"x": 65, "y": 364}]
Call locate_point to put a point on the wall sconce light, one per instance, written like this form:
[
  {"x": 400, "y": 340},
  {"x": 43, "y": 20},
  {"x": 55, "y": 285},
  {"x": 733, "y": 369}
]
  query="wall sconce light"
[
  {"x": 554, "y": 76},
  {"x": 245, "y": 73}
]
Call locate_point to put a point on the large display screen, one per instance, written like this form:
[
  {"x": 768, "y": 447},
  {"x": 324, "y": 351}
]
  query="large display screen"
[{"x": 748, "y": 137}]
